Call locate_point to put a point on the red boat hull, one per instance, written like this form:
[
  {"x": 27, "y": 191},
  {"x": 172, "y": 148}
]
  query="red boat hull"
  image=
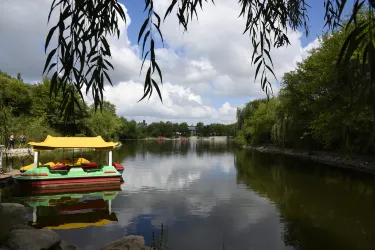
[{"x": 71, "y": 183}]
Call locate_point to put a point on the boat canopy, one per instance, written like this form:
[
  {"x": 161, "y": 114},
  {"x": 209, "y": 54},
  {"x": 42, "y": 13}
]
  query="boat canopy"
[{"x": 51, "y": 143}]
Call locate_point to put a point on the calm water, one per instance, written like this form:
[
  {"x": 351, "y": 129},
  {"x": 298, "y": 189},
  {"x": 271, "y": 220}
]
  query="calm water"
[{"x": 208, "y": 193}]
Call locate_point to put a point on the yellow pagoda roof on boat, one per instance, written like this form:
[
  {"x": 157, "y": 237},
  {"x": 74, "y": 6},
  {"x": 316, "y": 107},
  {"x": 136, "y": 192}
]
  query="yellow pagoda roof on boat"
[{"x": 51, "y": 143}]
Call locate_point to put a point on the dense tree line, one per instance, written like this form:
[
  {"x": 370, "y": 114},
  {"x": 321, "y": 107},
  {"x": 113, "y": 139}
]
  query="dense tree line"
[
  {"x": 321, "y": 105},
  {"x": 28, "y": 108}
]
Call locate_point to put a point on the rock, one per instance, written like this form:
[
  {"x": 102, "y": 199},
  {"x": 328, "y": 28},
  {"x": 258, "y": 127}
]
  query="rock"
[
  {"x": 21, "y": 226},
  {"x": 4, "y": 248},
  {"x": 65, "y": 246},
  {"x": 12, "y": 214},
  {"x": 127, "y": 243},
  {"x": 26, "y": 239}
]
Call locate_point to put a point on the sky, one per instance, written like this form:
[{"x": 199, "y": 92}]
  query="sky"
[{"x": 207, "y": 72}]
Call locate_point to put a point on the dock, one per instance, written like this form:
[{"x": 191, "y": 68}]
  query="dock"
[
  {"x": 5, "y": 177},
  {"x": 17, "y": 152}
]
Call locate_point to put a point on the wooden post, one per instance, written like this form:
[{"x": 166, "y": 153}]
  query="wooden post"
[
  {"x": 35, "y": 159},
  {"x": 110, "y": 158},
  {"x": 34, "y": 214}
]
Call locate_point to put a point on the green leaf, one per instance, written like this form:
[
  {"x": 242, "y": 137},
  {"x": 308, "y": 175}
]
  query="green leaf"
[
  {"x": 50, "y": 67},
  {"x": 147, "y": 84},
  {"x": 159, "y": 72},
  {"x": 257, "y": 70},
  {"x": 142, "y": 29},
  {"x": 49, "y": 57},
  {"x": 269, "y": 56},
  {"x": 257, "y": 59},
  {"x": 106, "y": 45},
  {"x": 157, "y": 17},
  {"x": 348, "y": 40},
  {"x": 157, "y": 89},
  {"x": 49, "y": 36},
  {"x": 160, "y": 34},
  {"x": 170, "y": 8},
  {"x": 144, "y": 59},
  {"x": 147, "y": 3},
  {"x": 53, "y": 84},
  {"x": 144, "y": 41},
  {"x": 109, "y": 64},
  {"x": 269, "y": 68},
  {"x": 108, "y": 78}
]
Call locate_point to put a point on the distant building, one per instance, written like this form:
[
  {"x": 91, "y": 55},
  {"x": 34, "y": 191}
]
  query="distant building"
[{"x": 193, "y": 130}]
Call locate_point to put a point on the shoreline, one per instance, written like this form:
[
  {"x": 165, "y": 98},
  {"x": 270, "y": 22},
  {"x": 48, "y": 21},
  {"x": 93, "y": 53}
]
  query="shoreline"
[{"x": 363, "y": 163}]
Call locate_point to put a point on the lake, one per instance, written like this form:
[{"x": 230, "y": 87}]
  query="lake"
[{"x": 209, "y": 193}]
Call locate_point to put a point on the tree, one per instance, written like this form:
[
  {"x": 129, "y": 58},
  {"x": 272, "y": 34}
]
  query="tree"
[
  {"x": 184, "y": 129},
  {"x": 330, "y": 113},
  {"x": 199, "y": 128},
  {"x": 19, "y": 77},
  {"x": 105, "y": 123},
  {"x": 82, "y": 51}
]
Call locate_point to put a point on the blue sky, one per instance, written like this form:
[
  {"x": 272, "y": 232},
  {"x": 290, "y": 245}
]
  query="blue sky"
[{"x": 316, "y": 16}]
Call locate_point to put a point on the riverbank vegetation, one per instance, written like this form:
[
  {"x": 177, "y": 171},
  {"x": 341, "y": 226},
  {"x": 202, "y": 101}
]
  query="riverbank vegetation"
[
  {"x": 321, "y": 105},
  {"x": 28, "y": 108}
]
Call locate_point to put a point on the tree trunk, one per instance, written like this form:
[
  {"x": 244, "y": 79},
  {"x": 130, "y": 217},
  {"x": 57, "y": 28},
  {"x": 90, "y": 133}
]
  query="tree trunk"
[{"x": 372, "y": 135}]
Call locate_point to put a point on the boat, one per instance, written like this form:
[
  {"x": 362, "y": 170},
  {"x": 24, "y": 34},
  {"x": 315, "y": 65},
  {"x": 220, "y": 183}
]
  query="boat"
[
  {"x": 70, "y": 176},
  {"x": 72, "y": 210}
]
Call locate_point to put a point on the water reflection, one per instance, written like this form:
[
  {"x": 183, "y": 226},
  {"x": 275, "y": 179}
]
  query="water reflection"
[
  {"x": 207, "y": 193},
  {"x": 70, "y": 211},
  {"x": 320, "y": 207}
]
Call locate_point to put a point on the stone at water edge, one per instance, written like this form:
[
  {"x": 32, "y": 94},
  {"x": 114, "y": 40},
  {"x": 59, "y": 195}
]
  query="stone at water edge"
[
  {"x": 65, "y": 246},
  {"x": 12, "y": 214},
  {"x": 26, "y": 239},
  {"x": 127, "y": 243}
]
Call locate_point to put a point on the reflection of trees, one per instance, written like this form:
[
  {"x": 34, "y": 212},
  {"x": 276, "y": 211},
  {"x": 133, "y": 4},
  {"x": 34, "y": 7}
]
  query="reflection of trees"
[
  {"x": 321, "y": 208},
  {"x": 171, "y": 147},
  {"x": 130, "y": 149}
]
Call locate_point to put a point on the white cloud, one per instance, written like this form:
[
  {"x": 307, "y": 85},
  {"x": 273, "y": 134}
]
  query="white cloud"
[
  {"x": 215, "y": 62},
  {"x": 172, "y": 173},
  {"x": 179, "y": 103},
  {"x": 217, "y": 40}
]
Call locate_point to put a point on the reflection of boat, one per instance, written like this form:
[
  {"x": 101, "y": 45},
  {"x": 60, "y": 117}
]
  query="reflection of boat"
[
  {"x": 45, "y": 176},
  {"x": 68, "y": 211}
]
